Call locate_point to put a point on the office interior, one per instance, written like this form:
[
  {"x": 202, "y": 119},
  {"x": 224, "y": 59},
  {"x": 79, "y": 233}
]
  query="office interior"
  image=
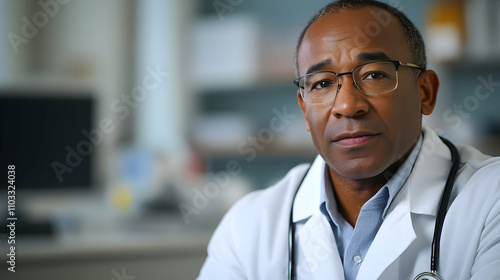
[{"x": 134, "y": 125}]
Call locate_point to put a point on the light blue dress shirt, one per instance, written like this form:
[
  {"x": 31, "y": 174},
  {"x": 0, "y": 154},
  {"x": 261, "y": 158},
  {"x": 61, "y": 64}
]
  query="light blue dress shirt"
[{"x": 353, "y": 243}]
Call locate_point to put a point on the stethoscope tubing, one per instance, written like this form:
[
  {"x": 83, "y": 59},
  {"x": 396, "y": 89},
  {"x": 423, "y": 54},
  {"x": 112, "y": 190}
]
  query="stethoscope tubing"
[
  {"x": 438, "y": 227},
  {"x": 443, "y": 205}
]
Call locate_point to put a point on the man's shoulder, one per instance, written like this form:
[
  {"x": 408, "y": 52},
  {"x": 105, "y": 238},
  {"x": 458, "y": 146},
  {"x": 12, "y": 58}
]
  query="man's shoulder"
[
  {"x": 269, "y": 204},
  {"x": 275, "y": 195},
  {"x": 477, "y": 161},
  {"x": 480, "y": 172},
  {"x": 258, "y": 222}
]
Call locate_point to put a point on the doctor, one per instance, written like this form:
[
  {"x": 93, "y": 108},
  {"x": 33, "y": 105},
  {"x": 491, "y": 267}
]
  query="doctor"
[{"x": 366, "y": 208}]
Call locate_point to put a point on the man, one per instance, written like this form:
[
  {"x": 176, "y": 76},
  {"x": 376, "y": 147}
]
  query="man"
[{"x": 367, "y": 206}]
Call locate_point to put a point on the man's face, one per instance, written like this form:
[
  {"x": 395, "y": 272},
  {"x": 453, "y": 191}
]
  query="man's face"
[{"x": 380, "y": 129}]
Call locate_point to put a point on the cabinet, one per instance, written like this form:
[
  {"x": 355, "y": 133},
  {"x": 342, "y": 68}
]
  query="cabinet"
[
  {"x": 261, "y": 127},
  {"x": 470, "y": 78}
]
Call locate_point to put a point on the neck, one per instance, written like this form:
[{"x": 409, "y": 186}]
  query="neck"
[{"x": 352, "y": 194}]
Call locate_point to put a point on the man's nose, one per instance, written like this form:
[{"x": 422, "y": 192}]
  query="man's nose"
[{"x": 349, "y": 102}]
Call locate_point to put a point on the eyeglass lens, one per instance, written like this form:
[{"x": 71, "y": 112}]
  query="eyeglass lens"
[{"x": 371, "y": 79}]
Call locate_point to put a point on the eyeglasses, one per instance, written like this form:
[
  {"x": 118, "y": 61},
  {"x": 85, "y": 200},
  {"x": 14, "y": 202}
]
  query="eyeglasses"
[{"x": 371, "y": 78}]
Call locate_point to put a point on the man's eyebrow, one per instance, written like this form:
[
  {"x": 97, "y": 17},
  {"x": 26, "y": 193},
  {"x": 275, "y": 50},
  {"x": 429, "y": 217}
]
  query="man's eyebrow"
[
  {"x": 318, "y": 66},
  {"x": 372, "y": 56},
  {"x": 363, "y": 57}
]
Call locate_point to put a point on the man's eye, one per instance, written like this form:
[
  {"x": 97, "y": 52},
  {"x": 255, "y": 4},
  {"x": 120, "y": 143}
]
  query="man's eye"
[
  {"x": 374, "y": 76},
  {"x": 321, "y": 84}
]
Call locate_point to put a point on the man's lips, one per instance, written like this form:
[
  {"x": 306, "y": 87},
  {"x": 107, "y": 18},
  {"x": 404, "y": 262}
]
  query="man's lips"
[{"x": 354, "y": 138}]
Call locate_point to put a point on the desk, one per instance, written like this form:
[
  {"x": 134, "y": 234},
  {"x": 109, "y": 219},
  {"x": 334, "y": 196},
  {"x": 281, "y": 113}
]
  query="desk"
[{"x": 114, "y": 253}]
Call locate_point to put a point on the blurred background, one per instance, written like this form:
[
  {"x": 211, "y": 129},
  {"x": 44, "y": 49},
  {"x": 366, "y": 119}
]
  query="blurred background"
[{"x": 134, "y": 125}]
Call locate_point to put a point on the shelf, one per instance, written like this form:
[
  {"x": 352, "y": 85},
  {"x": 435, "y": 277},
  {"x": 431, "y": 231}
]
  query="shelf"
[
  {"x": 275, "y": 149},
  {"x": 472, "y": 63}
]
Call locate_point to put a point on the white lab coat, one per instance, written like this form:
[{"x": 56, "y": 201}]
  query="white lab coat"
[{"x": 251, "y": 240}]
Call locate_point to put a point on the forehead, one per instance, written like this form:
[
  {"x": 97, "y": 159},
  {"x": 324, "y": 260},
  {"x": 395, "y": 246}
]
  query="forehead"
[{"x": 342, "y": 36}]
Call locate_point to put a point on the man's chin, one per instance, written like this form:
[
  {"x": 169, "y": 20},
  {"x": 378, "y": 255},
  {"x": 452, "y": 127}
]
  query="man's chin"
[{"x": 360, "y": 171}]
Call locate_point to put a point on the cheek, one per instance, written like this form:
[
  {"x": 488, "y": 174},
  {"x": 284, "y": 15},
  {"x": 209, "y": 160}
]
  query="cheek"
[
  {"x": 402, "y": 116},
  {"x": 401, "y": 109},
  {"x": 409, "y": 109},
  {"x": 318, "y": 121},
  {"x": 318, "y": 114}
]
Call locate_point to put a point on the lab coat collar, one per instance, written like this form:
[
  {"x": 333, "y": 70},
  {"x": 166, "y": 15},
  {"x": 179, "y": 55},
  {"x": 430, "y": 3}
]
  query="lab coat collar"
[
  {"x": 307, "y": 200},
  {"x": 428, "y": 178}
]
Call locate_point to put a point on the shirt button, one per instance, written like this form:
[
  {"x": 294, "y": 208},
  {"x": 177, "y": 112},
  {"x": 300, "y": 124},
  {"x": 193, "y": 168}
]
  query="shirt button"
[{"x": 357, "y": 259}]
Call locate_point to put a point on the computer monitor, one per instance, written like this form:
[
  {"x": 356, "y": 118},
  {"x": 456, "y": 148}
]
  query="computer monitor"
[
  {"x": 41, "y": 133},
  {"x": 44, "y": 133}
]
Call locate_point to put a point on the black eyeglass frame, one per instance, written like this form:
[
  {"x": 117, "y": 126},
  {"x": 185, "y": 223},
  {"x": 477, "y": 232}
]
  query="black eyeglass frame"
[{"x": 396, "y": 63}]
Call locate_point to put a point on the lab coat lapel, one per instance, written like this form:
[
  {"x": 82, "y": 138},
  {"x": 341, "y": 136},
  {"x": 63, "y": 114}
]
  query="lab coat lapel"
[
  {"x": 316, "y": 238},
  {"x": 394, "y": 236},
  {"x": 320, "y": 249},
  {"x": 306, "y": 203},
  {"x": 428, "y": 178}
]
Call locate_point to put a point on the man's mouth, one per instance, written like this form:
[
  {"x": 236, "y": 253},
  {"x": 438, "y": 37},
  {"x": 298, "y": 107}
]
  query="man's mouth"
[{"x": 356, "y": 138}]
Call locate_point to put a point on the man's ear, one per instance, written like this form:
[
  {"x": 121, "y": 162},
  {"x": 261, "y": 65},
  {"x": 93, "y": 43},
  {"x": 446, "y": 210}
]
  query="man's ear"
[
  {"x": 428, "y": 85},
  {"x": 302, "y": 105}
]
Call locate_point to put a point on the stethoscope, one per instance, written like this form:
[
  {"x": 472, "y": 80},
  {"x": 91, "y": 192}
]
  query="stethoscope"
[{"x": 443, "y": 207}]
